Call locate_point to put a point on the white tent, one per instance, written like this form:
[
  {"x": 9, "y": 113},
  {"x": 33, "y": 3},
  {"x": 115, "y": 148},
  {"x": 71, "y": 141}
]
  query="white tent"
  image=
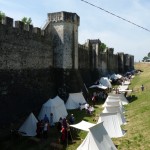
[
  {"x": 110, "y": 102},
  {"x": 97, "y": 139},
  {"x": 111, "y": 124},
  {"x": 99, "y": 86},
  {"x": 119, "y": 96},
  {"x": 126, "y": 82},
  {"x": 83, "y": 125},
  {"x": 115, "y": 76},
  {"x": 28, "y": 128},
  {"x": 114, "y": 109},
  {"x": 55, "y": 106},
  {"x": 123, "y": 87},
  {"x": 74, "y": 99},
  {"x": 105, "y": 82},
  {"x": 113, "y": 101}
]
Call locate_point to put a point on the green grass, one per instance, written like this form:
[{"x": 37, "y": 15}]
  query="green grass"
[{"x": 137, "y": 114}]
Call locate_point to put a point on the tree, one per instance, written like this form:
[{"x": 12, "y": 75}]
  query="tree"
[
  {"x": 26, "y": 20},
  {"x": 145, "y": 58},
  {"x": 2, "y": 15},
  {"x": 102, "y": 47}
]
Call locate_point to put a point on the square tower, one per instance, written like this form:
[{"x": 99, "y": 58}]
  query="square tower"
[{"x": 63, "y": 29}]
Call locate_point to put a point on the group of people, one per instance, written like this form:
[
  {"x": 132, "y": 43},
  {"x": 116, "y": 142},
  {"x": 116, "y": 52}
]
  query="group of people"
[
  {"x": 63, "y": 127},
  {"x": 101, "y": 95},
  {"x": 43, "y": 126},
  {"x": 89, "y": 109}
]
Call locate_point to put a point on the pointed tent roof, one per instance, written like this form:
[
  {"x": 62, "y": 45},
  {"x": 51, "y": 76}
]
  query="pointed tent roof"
[
  {"x": 28, "y": 128},
  {"x": 114, "y": 109},
  {"x": 74, "y": 99},
  {"x": 113, "y": 101},
  {"x": 55, "y": 106},
  {"x": 97, "y": 139},
  {"x": 105, "y": 81},
  {"x": 83, "y": 125},
  {"x": 111, "y": 124},
  {"x": 99, "y": 86},
  {"x": 121, "y": 97}
]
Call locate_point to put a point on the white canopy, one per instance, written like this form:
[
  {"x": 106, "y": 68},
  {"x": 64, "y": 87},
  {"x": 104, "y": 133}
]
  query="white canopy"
[
  {"x": 126, "y": 82},
  {"x": 123, "y": 87},
  {"x": 111, "y": 124},
  {"x": 115, "y": 76},
  {"x": 74, "y": 99},
  {"x": 105, "y": 82},
  {"x": 83, "y": 125},
  {"x": 28, "y": 128},
  {"x": 55, "y": 106},
  {"x": 97, "y": 139},
  {"x": 100, "y": 86}
]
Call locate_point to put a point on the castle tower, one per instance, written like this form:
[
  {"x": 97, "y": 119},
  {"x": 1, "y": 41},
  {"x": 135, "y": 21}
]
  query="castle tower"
[{"x": 63, "y": 29}]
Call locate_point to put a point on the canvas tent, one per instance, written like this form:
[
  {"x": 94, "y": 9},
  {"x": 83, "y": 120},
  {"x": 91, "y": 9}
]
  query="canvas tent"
[
  {"x": 74, "y": 99},
  {"x": 113, "y": 101},
  {"x": 97, "y": 139},
  {"x": 28, "y": 128},
  {"x": 105, "y": 82},
  {"x": 114, "y": 109},
  {"x": 83, "y": 125},
  {"x": 115, "y": 76},
  {"x": 99, "y": 86},
  {"x": 111, "y": 124},
  {"x": 55, "y": 106},
  {"x": 123, "y": 87},
  {"x": 121, "y": 97}
]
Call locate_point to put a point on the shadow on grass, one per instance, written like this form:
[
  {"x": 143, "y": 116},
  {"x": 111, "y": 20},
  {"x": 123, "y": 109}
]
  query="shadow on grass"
[{"x": 132, "y": 98}]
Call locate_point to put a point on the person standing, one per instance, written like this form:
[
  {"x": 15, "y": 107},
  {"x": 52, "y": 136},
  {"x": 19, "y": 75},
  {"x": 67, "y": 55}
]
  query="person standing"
[
  {"x": 142, "y": 87},
  {"x": 51, "y": 120},
  {"x": 71, "y": 119},
  {"x": 45, "y": 130}
]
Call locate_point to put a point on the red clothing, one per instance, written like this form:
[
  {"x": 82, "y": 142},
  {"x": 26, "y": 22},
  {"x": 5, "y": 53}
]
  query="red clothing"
[{"x": 63, "y": 134}]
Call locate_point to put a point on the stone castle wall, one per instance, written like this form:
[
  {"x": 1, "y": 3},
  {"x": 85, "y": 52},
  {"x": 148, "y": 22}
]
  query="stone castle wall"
[
  {"x": 23, "y": 48},
  {"x": 36, "y": 64}
]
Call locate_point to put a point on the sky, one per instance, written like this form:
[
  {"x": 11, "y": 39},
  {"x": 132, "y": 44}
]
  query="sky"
[{"x": 94, "y": 23}]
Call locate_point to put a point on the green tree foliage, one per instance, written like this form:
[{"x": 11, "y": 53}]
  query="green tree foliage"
[
  {"x": 102, "y": 47},
  {"x": 2, "y": 15},
  {"x": 145, "y": 58},
  {"x": 149, "y": 54},
  {"x": 26, "y": 20}
]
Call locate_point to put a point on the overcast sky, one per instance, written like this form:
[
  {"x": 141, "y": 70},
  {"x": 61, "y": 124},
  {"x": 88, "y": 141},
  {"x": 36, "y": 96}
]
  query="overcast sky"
[{"x": 94, "y": 23}]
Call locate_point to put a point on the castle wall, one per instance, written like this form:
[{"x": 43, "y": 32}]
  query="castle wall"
[
  {"x": 83, "y": 52},
  {"x": 115, "y": 63},
  {"x": 110, "y": 59},
  {"x": 131, "y": 61},
  {"x": 127, "y": 62},
  {"x": 121, "y": 62},
  {"x": 21, "y": 49},
  {"x": 103, "y": 63}
]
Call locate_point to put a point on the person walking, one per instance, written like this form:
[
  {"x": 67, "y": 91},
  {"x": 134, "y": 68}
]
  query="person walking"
[{"x": 142, "y": 87}]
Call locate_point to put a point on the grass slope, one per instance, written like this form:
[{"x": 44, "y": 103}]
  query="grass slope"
[{"x": 138, "y": 114}]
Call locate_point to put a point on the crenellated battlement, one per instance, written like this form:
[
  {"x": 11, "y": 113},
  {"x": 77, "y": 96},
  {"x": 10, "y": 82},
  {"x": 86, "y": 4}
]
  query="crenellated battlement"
[
  {"x": 8, "y": 22},
  {"x": 82, "y": 47},
  {"x": 64, "y": 17}
]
